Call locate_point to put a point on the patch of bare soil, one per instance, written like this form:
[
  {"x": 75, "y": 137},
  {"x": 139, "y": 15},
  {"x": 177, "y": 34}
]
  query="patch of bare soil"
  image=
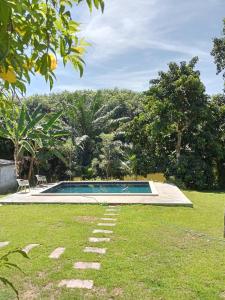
[
  {"x": 85, "y": 219},
  {"x": 31, "y": 292}
]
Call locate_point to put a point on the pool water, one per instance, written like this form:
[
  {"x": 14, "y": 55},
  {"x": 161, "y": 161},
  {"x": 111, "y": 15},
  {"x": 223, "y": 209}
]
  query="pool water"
[{"x": 101, "y": 188}]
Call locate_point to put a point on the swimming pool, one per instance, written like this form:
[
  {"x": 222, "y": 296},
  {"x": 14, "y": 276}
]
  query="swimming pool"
[{"x": 68, "y": 188}]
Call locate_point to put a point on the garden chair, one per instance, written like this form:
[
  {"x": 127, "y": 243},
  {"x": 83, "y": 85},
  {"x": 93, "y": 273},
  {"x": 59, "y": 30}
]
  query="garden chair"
[
  {"x": 41, "y": 180},
  {"x": 23, "y": 183}
]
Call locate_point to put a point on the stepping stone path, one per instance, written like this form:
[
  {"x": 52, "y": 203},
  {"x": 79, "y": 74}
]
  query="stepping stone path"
[
  {"x": 106, "y": 224},
  {"x": 88, "y": 284},
  {"x": 29, "y": 247},
  {"x": 77, "y": 283},
  {"x": 111, "y": 214},
  {"x": 87, "y": 265},
  {"x": 102, "y": 231},
  {"x": 57, "y": 253},
  {"x": 3, "y": 244},
  {"x": 95, "y": 250},
  {"x": 98, "y": 240}
]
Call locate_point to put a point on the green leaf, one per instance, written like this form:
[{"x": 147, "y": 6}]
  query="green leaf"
[
  {"x": 60, "y": 156},
  {"x": 52, "y": 120},
  {"x": 26, "y": 145},
  {"x": 21, "y": 123},
  {"x": 9, "y": 283},
  {"x": 89, "y": 3}
]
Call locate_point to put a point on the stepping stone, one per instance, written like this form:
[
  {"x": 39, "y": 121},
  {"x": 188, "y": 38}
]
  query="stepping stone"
[
  {"x": 98, "y": 240},
  {"x": 57, "y": 253},
  {"x": 102, "y": 231},
  {"x": 108, "y": 219},
  {"x": 29, "y": 247},
  {"x": 106, "y": 224},
  {"x": 95, "y": 250},
  {"x": 0, "y": 204},
  {"x": 111, "y": 209},
  {"x": 87, "y": 265},
  {"x": 77, "y": 283},
  {"x": 3, "y": 244},
  {"x": 111, "y": 214}
]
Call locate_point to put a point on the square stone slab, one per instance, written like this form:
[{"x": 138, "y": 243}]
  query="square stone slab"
[
  {"x": 98, "y": 240},
  {"x": 3, "y": 244},
  {"x": 57, "y": 253},
  {"x": 29, "y": 247},
  {"x": 77, "y": 283},
  {"x": 108, "y": 219},
  {"x": 87, "y": 265},
  {"x": 102, "y": 231},
  {"x": 106, "y": 224},
  {"x": 95, "y": 250}
]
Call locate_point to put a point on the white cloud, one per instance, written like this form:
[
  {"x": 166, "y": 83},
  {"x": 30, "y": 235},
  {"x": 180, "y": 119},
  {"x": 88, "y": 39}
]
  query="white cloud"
[{"x": 138, "y": 25}]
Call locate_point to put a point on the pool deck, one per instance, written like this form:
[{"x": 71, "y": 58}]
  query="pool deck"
[{"x": 168, "y": 195}]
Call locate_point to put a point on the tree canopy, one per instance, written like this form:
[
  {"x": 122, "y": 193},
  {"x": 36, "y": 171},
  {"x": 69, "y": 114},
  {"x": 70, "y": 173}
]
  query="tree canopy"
[
  {"x": 218, "y": 52},
  {"x": 34, "y": 34}
]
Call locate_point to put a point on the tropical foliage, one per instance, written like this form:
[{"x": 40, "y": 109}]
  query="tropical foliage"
[
  {"x": 28, "y": 132},
  {"x": 5, "y": 262},
  {"x": 218, "y": 52},
  {"x": 33, "y": 34}
]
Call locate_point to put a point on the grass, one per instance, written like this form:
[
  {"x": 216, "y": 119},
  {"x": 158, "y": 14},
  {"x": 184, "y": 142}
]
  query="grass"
[{"x": 155, "y": 252}]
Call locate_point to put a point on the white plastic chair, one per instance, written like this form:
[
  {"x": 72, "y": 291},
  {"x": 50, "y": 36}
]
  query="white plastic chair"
[
  {"x": 23, "y": 183},
  {"x": 41, "y": 180}
]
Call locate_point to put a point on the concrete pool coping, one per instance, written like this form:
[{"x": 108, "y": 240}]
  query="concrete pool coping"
[
  {"x": 168, "y": 195},
  {"x": 151, "y": 185}
]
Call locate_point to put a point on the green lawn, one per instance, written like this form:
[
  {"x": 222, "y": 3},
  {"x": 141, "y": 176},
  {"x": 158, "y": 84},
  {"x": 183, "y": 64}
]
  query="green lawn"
[{"x": 155, "y": 252}]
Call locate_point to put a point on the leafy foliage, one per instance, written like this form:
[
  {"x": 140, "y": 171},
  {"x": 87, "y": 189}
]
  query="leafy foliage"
[
  {"x": 179, "y": 132},
  {"x": 112, "y": 161},
  {"x": 6, "y": 263},
  {"x": 27, "y": 132},
  {"x": 218, "y": 52},
  {"x": 87, "y": 115},
  {"x": 33, "y": 33}
]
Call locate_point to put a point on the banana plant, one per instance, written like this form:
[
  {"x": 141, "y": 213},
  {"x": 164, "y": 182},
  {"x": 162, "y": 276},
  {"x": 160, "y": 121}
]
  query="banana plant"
[
  {"x": 24, "y": 129},
  {"x": 48, "y": 137}
]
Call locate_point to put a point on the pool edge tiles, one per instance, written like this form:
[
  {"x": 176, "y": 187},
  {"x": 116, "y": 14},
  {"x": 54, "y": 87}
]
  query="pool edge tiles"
[{"x": 52, "y": 191}]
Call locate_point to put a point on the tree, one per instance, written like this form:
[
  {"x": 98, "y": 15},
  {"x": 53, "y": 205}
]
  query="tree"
[
  {"x": 86, "y": 114},
  {"x": 90, "y": 117},
  {"x": 23, "y": 129},
  {"x": 112, "y": 159},
  {"x": 33, "y": 33},
  {"x": 176, "y": 101},
  {"x": 218, "y": 52},
  {"x": 172, "y": 133},
  {"x": 46, "y": 138}
]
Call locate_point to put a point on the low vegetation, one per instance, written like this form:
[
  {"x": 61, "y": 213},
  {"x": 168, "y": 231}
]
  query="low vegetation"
[{"x": 155, "y": 252}]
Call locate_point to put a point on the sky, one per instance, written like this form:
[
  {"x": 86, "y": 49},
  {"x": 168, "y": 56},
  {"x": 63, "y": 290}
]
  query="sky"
[{"x": 134, "y": 39}]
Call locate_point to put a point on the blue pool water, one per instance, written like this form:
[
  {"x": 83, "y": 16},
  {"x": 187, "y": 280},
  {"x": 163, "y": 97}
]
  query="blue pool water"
[{"x": 101, "y": 188}]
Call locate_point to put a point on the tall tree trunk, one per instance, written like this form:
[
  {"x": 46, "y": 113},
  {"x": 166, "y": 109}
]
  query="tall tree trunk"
[
  {"x": 16, "y": 160},
  {"x": 178, "y": 145},
  {"x": 31, "y": 167}
]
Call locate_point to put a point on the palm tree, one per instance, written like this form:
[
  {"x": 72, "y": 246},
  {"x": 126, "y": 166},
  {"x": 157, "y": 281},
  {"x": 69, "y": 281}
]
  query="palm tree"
[
  {"x": 112, "y": 160},
  {"x": 89, "y": 117}
]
